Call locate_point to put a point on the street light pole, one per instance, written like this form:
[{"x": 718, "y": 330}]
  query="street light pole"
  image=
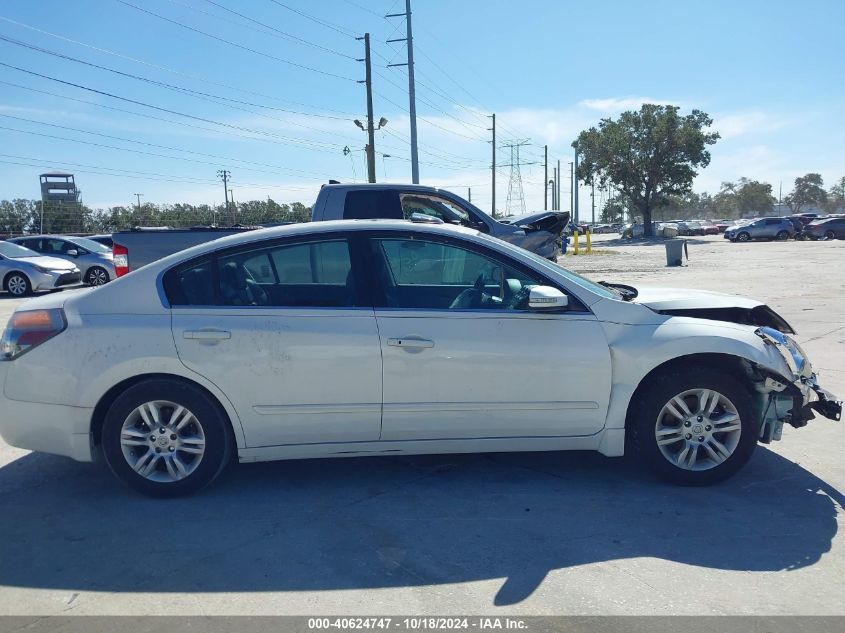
[{"x": 138, "y": 197}]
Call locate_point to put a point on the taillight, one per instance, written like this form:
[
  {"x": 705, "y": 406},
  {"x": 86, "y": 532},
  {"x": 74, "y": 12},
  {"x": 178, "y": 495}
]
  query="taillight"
[
  {"x": 29, "y": 329},
  {"x": 121, "y": 259}
]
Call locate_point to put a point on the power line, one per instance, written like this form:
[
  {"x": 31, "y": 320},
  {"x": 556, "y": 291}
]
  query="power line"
[
  {"x": 235, "y": 44},
  {"x": 167, "y": 147},
  {"x": 289, "y": 140},
  {"x": 320, "y": 21},
  {"x": 104, "y": 171},
  {"x": 168, "y": 69},
  {"x": 181, "y": 124},
  {"x": 163, "y": 84},
  {"x": 274, "y": 31}
]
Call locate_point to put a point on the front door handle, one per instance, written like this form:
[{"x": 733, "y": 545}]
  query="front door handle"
[
  {"x": 411, "y": 342},
  {"x": 207, "y": 335}
]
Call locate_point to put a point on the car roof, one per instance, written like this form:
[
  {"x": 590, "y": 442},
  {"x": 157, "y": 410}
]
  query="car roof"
[
  {"x": 328, "y": 226},
  {"x": 395, "y": 186}
]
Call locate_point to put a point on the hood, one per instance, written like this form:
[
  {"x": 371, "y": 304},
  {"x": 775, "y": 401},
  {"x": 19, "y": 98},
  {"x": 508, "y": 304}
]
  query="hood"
[
  {"x": 51, "y": 263},
  {"x": 714, "y": 306},
  {"x": 685, "y": 299}
]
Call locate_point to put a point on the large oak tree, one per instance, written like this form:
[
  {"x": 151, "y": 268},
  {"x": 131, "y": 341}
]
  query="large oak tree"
[{"x": 648, "y": 155}]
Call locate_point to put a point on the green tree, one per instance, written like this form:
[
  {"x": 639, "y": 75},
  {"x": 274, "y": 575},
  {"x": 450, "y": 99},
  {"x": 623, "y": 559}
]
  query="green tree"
[
  {"x": 614, "y": 210},
  {"x": 648, "y": 155},
  {"x": 808, "y": 189},
  {"x": 836, "y": 197}
]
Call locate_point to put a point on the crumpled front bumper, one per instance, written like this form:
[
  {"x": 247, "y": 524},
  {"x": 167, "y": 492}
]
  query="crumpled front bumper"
[{"x": 824, "y": 402}]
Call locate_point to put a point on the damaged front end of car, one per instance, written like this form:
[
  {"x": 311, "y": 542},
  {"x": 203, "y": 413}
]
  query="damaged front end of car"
[{"x": 792, "y": 399}]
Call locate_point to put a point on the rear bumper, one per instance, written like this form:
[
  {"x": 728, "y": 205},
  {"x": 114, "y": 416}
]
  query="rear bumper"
[{"x": 48, "y": 428}]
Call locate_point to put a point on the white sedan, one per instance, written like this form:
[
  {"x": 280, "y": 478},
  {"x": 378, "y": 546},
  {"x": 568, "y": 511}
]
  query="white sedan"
[{"x": 337, "y": 339}]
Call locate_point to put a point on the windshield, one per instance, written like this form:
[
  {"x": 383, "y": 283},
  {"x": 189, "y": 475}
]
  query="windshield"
[
  {"x": 89, "y": 245},
  {"x": 13, "y": 251}
]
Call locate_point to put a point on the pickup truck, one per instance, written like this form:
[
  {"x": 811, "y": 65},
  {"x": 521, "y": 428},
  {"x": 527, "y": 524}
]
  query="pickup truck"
[{"x": 538, "y": 232}]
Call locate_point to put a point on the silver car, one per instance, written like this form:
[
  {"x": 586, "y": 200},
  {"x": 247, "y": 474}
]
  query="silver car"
[
  {"x": 762, "y": 229},
  {"x": 24, "y": 271},
  {"x": 95, "y": 260}
]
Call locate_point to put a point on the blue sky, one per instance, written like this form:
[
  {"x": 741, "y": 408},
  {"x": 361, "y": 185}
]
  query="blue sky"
[{"x": 770, "y": 73}]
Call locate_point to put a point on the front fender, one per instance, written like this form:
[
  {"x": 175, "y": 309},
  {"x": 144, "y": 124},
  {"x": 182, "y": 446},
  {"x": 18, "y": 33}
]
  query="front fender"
[{"x": 636, "y": 350}]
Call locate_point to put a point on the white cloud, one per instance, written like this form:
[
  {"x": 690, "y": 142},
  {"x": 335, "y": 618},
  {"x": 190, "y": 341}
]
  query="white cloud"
[{"x": 618, "y": 104}]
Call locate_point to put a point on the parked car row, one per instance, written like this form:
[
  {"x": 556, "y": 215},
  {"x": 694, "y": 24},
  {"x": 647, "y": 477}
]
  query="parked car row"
[
  {"x": 37, "y": 263},
  {"x": 784, "y": 228}
]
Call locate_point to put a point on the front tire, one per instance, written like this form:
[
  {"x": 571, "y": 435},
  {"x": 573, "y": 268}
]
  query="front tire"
[
  {"x": 694, "y": 426},
  {"x": 166, "y": 438},
  {"x": 830, "y": 235},
  {"x": 782, "y": 236},
  {"x": 96, "y": 276},
  {"x": 17, "y": 284},
  {"x": 743, "y": 237}
]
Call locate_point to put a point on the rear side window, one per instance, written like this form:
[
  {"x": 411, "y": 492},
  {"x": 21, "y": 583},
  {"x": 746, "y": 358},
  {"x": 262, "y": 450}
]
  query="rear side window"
[
  {"x": 312, "y": 274},
  {"x": 191, "y": 284},
  {"x": 370, "y": 205}
]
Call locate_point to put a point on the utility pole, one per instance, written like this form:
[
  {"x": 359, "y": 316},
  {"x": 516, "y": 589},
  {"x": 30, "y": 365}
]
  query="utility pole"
[
  {"x": 469, "y": 194},
  {"x": 234, "y": 206},
  {"x": 557, "y": 185},
  {"x": 138, "y": 197},
  {"x": 593, "y": 198},
  {"x": 575, "y": 187},
  {"x": 571, "y": 191},
  {"x": 546, "y": 178},
  {"x": 493, "y": 165},
  {"x": 412, "y": 98},
  {"x": 224, "y": 174},
  {"x": 371, "y": 135},
  {"x": 553, "y": 184}
]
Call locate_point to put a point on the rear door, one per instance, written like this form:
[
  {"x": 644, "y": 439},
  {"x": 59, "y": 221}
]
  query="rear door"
[{"x": 283, "y": 330}]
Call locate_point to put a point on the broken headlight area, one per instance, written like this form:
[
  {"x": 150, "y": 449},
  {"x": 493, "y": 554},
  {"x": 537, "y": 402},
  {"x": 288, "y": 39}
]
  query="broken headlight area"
[
  {"x": 789, "y": 349},
  {"x": 795, "y": 399}
]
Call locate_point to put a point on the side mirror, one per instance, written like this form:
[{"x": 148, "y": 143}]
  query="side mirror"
[
  {"x": 73, "y": 252},
  {"x": 546, "y": 297}
]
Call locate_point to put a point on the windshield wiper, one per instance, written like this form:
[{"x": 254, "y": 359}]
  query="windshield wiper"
[{"x": 626, "y": 292}]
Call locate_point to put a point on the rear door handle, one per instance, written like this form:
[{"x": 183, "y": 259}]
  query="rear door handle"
[
  {"x": 207, "y": 335},
  {"x": 411, "y": 342}
]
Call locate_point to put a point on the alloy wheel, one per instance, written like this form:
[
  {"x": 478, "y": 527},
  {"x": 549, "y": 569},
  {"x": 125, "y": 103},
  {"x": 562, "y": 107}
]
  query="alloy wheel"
[
  {"x": 162, "y": 441},
  {"x": 698, "y": 429},
  {"x": 742, "y": 237},
  {"x": 97, "y": 277},
  {"x": 17, "y": 285},
  {"x": 829, "y": 235}
]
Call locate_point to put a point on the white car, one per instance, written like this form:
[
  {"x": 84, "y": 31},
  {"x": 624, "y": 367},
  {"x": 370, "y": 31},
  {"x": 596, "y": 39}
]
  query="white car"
[{"x": 364, "y": 337}]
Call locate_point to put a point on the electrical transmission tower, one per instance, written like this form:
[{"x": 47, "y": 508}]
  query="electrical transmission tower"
[{"x": 515, "y": 204}]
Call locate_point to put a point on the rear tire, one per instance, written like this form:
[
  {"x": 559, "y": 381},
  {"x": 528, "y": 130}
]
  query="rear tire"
[
  {"x": 96, "y": 276},
  {"x": 166, "y": 438},
  {"x": 693, "y": 427},
  {"x": 17, "y": 284}
]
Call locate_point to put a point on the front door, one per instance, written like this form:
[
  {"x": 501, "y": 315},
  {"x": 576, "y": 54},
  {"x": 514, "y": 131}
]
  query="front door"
[
  {"x": 464, "y": 357},
  {"x": 280, "y": 330}
]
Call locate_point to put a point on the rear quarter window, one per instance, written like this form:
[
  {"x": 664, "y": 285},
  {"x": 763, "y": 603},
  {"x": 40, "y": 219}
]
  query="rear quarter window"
[{"x": 372, "y": 205}]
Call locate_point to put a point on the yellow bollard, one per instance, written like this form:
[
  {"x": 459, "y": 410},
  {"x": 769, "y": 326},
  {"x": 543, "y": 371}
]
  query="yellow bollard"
[
  {"x": 589, "y": 245},
  {"x": 575, "y": 242}
]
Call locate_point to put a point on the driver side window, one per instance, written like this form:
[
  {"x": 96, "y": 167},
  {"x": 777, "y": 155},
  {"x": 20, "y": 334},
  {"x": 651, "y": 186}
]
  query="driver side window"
[{"x": 423, "y": 274}]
